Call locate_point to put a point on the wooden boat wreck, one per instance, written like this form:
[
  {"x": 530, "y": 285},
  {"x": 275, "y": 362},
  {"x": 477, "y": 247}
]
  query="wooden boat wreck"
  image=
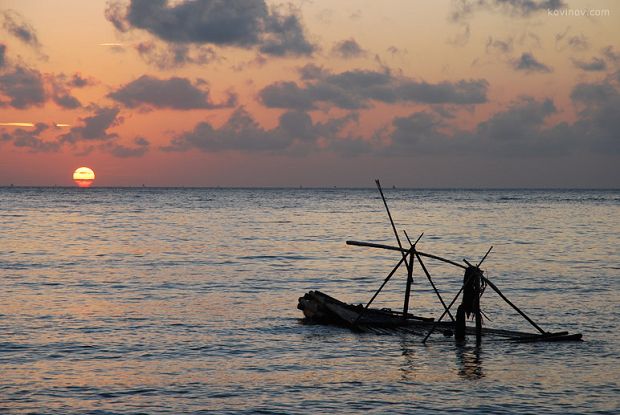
[{"x": 324, "y": 309}]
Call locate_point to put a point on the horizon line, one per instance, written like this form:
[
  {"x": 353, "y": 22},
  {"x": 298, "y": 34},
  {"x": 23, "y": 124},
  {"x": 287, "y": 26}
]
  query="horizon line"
[{"x": 301, "y": 187}]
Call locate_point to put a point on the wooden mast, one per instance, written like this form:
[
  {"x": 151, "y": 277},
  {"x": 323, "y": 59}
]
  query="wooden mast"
[{"x": 408, "y": 264}]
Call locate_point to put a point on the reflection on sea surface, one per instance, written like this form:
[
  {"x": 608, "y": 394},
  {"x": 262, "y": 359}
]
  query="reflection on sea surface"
[{"x": 469, "y": 361}]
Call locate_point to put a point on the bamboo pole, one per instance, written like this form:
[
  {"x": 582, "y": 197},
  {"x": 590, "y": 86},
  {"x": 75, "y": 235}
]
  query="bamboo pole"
[
  {"x": 447, "y": 309},
  {"x": 490, "y": 284},
  {"x": 408, "y": 264},
  {"x": 395, "y": 248},
  {"x": 389, "y": 215},
  {"x": 408, "y": 287},
  {"x": 380, "y": 288},
  {"x": 409, "y": 274},
  {"x": 428, "y": 275},
  {"x": 484, "y": 257},
  {"x": 416, "y": 241}
]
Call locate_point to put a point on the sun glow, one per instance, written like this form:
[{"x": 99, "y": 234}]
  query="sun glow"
[{"x": 83, "y": 177}]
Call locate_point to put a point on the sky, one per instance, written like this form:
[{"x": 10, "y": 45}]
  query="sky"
[{"x": 464, "y": 93}]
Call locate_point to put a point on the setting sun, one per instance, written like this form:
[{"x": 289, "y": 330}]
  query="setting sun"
[{"x": 83, "y": 177}]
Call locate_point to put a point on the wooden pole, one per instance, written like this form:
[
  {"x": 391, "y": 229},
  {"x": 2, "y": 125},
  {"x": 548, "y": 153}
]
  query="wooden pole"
[
  {"x": 490, "y": 284},
  {"x": 395, "y": 248},
  {"x": 447, "y": 309},
  {"x": 477, "y": 313},
  {"x": 389, "y": 214},
  {"x": 428, "y": 275},
  {"x": 408, "y": 288},
  {"x": 380, "y": 288},
  {"x": 409, "y": 264},
  {"x": 416, "y": 241},
  {"x": 409, "y": 274},
  {"x": 484, "y": 257}
]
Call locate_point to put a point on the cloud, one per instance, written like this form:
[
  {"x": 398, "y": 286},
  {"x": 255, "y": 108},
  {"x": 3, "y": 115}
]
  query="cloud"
[
  {"x": 347, "y": 49},
  {"x": 173, "y": 55},
  {"x": 284, "y": 35},
  {"x": 528, "y": 63},
  {"x": 257, "y": 62},
  {"x": 312, "y": 71},
  {"x": 239, "y": 23},
  {"x": 61, "y": 86},
  {"x": 577, "y": 42},
  {"x": 140, "y": 148},
  {"x": 30, "y": 139},
  {"x": 463, "y": 9},
  {"x": 461, "y": 39},
  {"x": 518, "y": 128},
  {"x": 516, "y": 132},
  {"x": 295, "y": 133},
  {"x": 115, "y": 12},
  {"x": 498, "y": 45},
  {"x": 2, "y": 55},
  {"x": 611, "y": 55},
  {"x": 240, "y": 132},
  {"x": 420, "y": 130},
  {"x": 23, "y": 87},
  {"x": 67, "y": 101},
  {"x": 520, "y": 131},
  {"x": 95, "y": 126},
  {"x": 461, "y": 92},
  {"x": 78, "y": 81},
  {"x": 174, "y": 93},
  {"x": 529, "y": 40},
  {"x": 591, "y": 94},
  {"x": 596, "y": 64},
  {"x": 290, "y": 95},
  {"x": 599, "y": 122},
  {"x": 358, "y": 88},
  {"x": 17, "y": 26},
  {"x": 394, "y": 51},
  {"x": 92, "y": 129}
]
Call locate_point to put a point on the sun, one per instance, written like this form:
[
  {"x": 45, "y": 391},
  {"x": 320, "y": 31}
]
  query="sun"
[{"x": 83, "y": 177}]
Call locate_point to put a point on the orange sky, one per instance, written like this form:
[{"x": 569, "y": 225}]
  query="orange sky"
[{"x": 515, "y": 92}]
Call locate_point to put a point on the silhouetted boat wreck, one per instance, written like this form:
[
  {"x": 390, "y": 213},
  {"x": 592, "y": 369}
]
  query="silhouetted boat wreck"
[{"x": 324, "y": 309}]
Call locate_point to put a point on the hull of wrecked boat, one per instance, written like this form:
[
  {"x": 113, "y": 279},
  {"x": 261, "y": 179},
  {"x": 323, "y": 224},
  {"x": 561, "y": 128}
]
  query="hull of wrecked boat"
[
  {"x": 321, "y": 308},
  {"x": 324, "y": 309}
]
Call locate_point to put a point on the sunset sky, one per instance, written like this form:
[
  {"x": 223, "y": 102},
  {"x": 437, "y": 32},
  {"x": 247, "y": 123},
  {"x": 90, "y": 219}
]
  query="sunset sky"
[{"x": 484, "y": 93}]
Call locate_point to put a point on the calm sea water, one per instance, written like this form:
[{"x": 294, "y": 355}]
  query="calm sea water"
[{"x": 184, "y": 301}]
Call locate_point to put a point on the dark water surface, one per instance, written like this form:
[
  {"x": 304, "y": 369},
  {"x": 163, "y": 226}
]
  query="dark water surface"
[{"x": 183, "y": 301}]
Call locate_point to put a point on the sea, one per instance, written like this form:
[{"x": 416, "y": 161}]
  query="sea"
[{"x": 183, "y": 301}]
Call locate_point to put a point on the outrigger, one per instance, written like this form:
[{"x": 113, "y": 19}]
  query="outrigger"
[{"x": 322, "y": 308}]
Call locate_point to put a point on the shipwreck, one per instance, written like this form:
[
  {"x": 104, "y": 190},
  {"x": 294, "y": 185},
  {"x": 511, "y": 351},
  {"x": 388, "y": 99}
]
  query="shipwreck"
[{"x": 323, "y": 309}]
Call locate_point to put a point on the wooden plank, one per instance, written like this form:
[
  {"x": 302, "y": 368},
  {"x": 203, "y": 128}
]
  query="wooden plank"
[{"x": 550, "y": 337}]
